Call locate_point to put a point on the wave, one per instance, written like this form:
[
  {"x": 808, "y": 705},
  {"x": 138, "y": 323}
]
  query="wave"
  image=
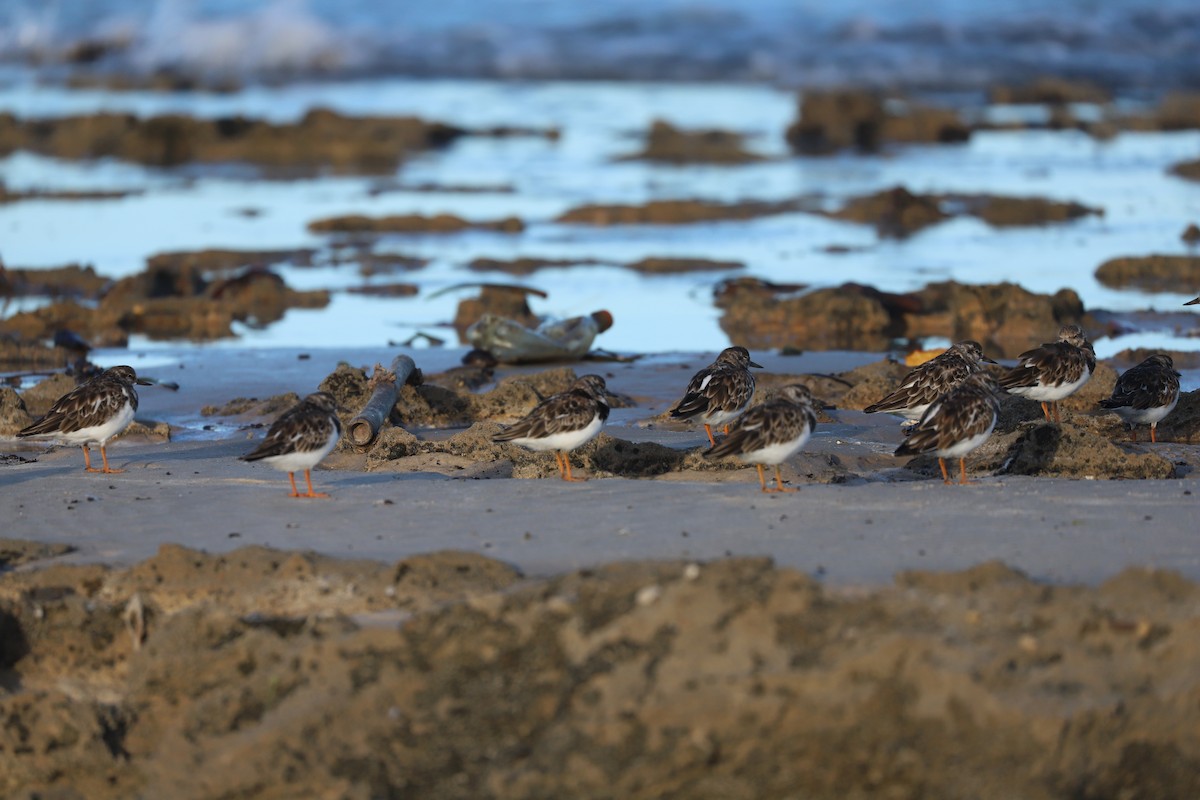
[{"x": 944, "y": 44}]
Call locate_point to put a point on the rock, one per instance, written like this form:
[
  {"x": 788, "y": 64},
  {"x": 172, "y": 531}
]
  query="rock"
[
  {"x": 897, "y": 212},
  {"x": 634, "y": 680},
  {"x": 321, "y": 140},
  {"x": 833, "y": 120},
  {"x": 1005, "y": 318},
  {"x": 39, "y": 397},
  {"x": 411, "y": 223},
  {"x": 675, "y": 212},
  {"x": 1189, "y": 170},
  {"x": 1050, "y": 90},
  {"x": 73, "y": 281},
  {"x": 1191, "y": 234},
  {"x": 501, "y": 301},
  {"x": 1068, "y": 451},
  {"x": 671, "y": 145},
  {"x": 14, "y": 416},
  {"x": 17, "y": 355},
  {"x": 1183, "y": 423},
  {"x": 1153, "y": 273}
]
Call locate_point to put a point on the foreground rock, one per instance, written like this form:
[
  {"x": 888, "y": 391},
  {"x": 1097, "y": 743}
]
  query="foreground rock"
[
  {"x": 1005, "y": 318},
  {"x": 192, "y": 676}
]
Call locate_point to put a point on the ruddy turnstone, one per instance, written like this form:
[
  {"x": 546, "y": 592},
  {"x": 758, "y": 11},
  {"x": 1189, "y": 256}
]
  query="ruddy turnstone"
[
  {"x": 771, "y": 433},
  {"x": 300, "y": 438},
  {"x": 1145, "y": 394},
  {"x": 956, "y": 423},
  {"x": 720, "y": 391},
  {"x": 562, "y": 422},
  {"x": 931, "y": 380},
  {"x": 1054, "y": 371},
  {"x": 92, "y": 413}
]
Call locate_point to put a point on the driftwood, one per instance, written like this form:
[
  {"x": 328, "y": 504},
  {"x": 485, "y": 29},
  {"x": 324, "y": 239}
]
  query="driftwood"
[{"x": 385, "y": 386}]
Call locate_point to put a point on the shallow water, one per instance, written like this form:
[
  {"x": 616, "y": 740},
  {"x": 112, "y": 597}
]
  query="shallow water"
[{"x": 1145, "y": 208}]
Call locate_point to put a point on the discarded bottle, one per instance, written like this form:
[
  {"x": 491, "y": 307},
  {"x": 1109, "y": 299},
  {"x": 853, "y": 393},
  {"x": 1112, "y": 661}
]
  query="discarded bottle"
[{"x": 512, "y": 343}]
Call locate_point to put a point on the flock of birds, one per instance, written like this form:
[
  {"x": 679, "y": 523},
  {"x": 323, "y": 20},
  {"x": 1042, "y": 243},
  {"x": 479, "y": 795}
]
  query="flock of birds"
[{"x": 950, "y": 405}]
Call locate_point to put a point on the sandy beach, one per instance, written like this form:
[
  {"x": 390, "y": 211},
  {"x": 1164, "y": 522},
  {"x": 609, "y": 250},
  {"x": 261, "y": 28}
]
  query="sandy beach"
[{"x": 443, "y": 627}]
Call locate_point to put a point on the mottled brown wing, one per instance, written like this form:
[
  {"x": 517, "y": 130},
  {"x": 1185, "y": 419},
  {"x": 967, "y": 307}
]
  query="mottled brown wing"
[
  {"x": 963, "y": 413},
  {"x": 560, "y": 413},
  {"x": 926, "y": 383},
  {"x": 300, "y": 429},
  {"x": 719, "y": 387},
  {"x": 1051, "y": 365},
  {"x": 762, "y": 426},
  {"x": 86, "y": 406},
  {"x": 1143, "y": 387}
]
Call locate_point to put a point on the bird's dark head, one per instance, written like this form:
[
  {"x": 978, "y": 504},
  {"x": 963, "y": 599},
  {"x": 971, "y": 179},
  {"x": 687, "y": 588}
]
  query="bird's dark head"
[
  {"x": 592, "y": 385},
  {"x": 972, "y": 350},
  {"x": 736, "y": 356},
  {"x": 796, "y": 393},
  {"x": 323, "y": 401},
  {"x": 122, "y": 374},
  {"x": 1073, "y": 335}
]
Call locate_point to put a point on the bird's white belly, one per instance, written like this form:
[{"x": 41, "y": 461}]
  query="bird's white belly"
[
  {"x": 720, "y": 416},
  {"x": 1049, "y": 394},
  {"x": 1146, "y": 416},
  {"x": 295, "y": 462},
  {"x": 776, "y": 453},
  {"x": 967, "y": 445},
  {"x": 567, "y": 440},
  {"x": 99, "y": 434}
]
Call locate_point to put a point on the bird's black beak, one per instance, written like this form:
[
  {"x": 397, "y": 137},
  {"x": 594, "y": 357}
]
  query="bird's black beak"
[
  {"x": 987, "y": 360},
  {"x": 760, "y": 366},
  {"x": 146, "y": 382}
]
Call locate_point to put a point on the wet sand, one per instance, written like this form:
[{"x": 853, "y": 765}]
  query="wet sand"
[{"x": 874, "y": 522}]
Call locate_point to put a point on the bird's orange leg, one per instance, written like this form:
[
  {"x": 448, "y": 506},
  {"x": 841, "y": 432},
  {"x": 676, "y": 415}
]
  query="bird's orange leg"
[
  {"x": 708, "y": 430},
  {"x": 945, "y": 475},
  {"x": 1046, "y": 411},
  {"x": 567, "y": 461},
  {"x": 962, "y": 470},
  {"x": 311, "y": 493},
  {"x": 1154, "y": 433},
  {"x": 295, "y": 491},
  {"x": 562, "y": 472},
  {"x": 107, "y": 469},
  {"x": 1057, "y": 414},
  {"x": 726, "y": 430},
  {"x": 87, "y": 460},
  {"x": 779, "y": 487},
  {"x": 762, "y": 479},
  {"x": 1133, "y": 434}
]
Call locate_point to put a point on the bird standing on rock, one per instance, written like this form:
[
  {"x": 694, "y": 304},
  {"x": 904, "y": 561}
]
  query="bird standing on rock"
[
  {"x": 926, "y": 383},
  {"x": 1145, "y": 394},
  {"x": 562, "y": 422},
  {"x": 1054, "y": 371},
  {"x": 720, "y": 392},
  {"x": 955, "y": 424}
]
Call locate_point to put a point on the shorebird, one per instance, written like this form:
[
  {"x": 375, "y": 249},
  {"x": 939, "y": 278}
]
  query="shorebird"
[
  {"x": 1145, "y": 394},
  {"x": 92, "y": 413},
  {"x": 956, "y": 423},
  {"x": 1054, "y": 371},
  {"x": 562, "y": 422},
  {"x": 300, "y": 438},
  {"x": 771, "y": 433},
  {"x": 719, "y": 392},
  {"x": 931, "y": 380}
]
